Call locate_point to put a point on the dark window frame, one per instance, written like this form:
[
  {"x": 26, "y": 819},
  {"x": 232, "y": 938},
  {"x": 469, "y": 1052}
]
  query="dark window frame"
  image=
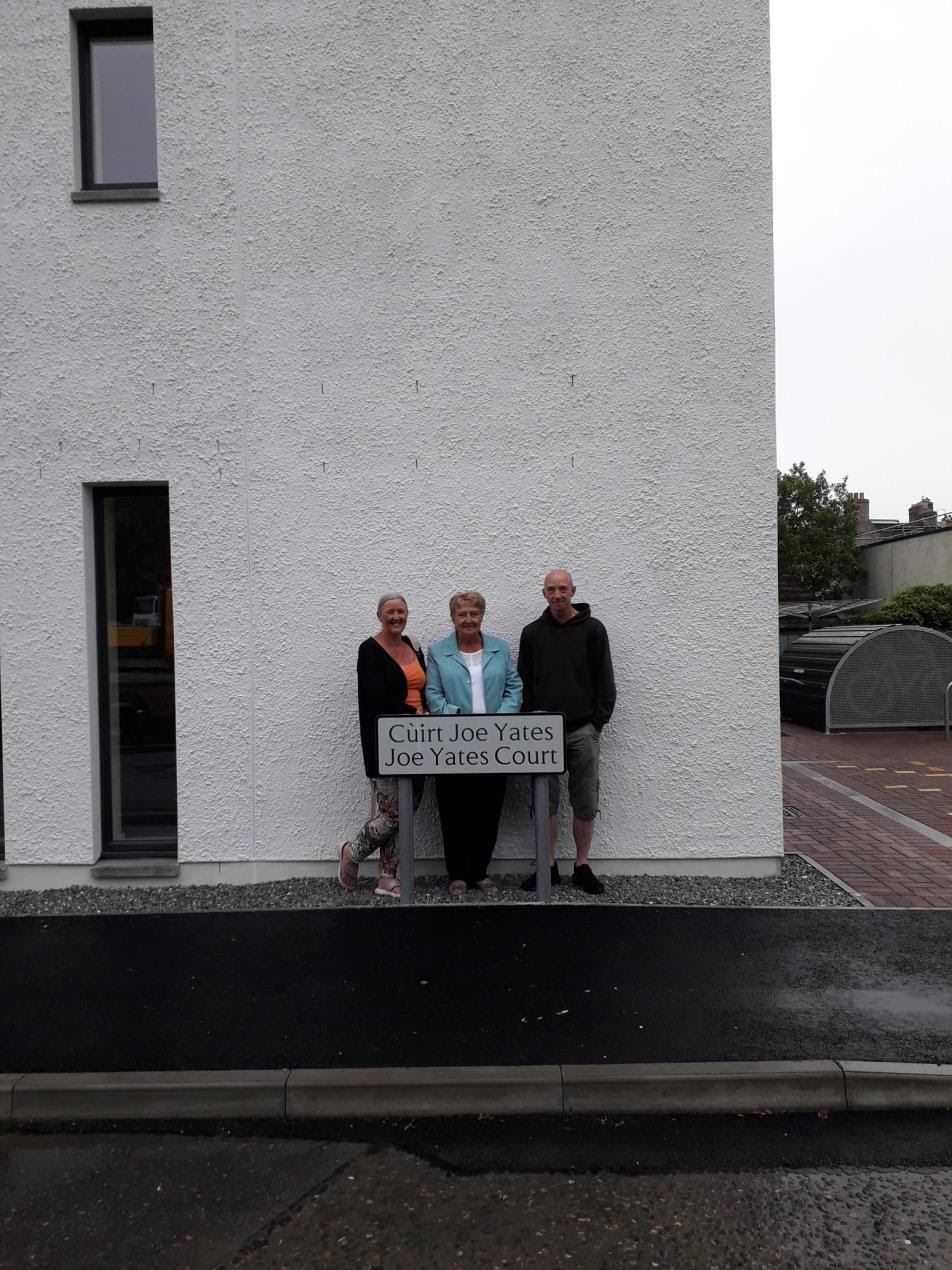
[
  {"x": 111, "y": 847},
  {"x": 91, "y": 24}
]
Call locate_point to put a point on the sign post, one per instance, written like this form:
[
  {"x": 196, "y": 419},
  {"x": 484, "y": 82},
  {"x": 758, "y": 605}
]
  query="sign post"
[
  {"x": 405, "y": 838},
  {"x": 469, "y": 744},
  {"x": 540, "y": 816}
]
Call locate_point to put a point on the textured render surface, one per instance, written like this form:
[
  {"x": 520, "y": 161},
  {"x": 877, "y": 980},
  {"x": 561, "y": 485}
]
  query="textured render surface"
[
  {"x": 436, "y": 296},
  {"x": 923, "y": 559}
]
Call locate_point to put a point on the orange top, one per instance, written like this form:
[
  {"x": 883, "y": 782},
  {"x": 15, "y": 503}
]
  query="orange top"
[{"x": 415, "y": 681}]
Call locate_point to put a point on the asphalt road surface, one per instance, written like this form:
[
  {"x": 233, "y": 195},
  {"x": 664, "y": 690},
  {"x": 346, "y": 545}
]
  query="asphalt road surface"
[
  {"x": 485, "y": 985},
  {"x": 409, "y": 1197}
]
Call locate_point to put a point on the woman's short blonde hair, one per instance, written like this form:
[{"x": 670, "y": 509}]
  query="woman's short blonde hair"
[{"x": 467, "y": 597}]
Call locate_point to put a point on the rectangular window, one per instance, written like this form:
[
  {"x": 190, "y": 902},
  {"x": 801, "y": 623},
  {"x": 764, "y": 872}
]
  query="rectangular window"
[
  {"x": 136, "y": 670},
  {"x": 2, "y": 838},
  {"x": 116, "y": 83}
]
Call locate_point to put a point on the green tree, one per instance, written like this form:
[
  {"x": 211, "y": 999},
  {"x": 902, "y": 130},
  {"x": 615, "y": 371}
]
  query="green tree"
[
  {"x": 816, "y": 532},
  {"x": 919, "y": 606}
]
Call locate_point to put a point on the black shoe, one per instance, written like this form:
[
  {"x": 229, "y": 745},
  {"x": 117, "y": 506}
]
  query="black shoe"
[
  {"x": 530, "y": 883},
  {"x": 582, "y": 876}
]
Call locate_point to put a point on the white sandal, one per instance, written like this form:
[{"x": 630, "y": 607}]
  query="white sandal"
[{"x": 388, "y": 887}]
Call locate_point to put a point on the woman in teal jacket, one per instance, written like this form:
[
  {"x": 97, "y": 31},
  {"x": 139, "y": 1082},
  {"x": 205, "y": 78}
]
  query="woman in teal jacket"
[{"x": 470, "y": 673}]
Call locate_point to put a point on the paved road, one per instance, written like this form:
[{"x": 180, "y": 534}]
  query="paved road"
[
  {"x": 874, "y": 809},
  {"x": 166, "y": 1202},
  {"x": 474, "y": 986},
  {"x": 907, "y": 770}
]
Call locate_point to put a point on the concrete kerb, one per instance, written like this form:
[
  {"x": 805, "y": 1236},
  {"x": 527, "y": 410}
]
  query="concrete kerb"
[
  {"x": 8, "y": 1082},
  {"x": 626, "y": 1088},
  {"x": 149, "y": 1095},
  {"x": 424, "y": 1091},
  {"x": 897, "y": 1086},
  {"x": 703, "y": 1087}
]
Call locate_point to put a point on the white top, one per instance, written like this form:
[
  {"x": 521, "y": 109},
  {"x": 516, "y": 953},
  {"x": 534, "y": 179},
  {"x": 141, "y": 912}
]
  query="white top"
[{"x": 474, "y": 664}]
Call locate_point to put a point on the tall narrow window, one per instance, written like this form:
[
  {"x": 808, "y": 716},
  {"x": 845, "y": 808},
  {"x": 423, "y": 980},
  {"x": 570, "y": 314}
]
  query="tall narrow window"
[
  {"x": 116, "y": 99},
  {"x": 2, "y": 831},
  {"x": 136, "y": 670}
]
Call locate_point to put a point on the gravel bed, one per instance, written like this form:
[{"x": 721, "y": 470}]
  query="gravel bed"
[{"x": 799, "y": 885}]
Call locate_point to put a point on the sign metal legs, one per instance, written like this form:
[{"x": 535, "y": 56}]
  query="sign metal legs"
[
  {"x": 540, "y": 815},
  {"x": 409, "y": 748},
  {"x": 405, "y": 838},
  {"x": 540, "y": 812}
]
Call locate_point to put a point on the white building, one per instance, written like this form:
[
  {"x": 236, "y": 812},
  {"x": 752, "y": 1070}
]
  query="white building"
[{"x": 417, "y": 297}]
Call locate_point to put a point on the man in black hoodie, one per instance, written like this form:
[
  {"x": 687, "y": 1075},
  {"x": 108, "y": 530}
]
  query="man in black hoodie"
[{"x": 565, "y": 664}]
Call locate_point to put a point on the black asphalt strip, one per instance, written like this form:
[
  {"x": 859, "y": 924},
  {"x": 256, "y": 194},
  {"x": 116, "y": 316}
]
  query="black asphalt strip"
[{"x": 460, "y": 986}]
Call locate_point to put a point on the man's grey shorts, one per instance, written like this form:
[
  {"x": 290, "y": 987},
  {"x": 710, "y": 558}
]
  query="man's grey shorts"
[{"x": 581, "y": 762}]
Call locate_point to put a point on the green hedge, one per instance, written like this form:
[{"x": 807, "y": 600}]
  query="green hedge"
[{"x": 919, "y": 606}]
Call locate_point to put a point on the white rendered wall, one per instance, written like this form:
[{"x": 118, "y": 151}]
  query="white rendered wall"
[
  {"x": 919, "y": 560},
  {"x": 437, "y": 296}
]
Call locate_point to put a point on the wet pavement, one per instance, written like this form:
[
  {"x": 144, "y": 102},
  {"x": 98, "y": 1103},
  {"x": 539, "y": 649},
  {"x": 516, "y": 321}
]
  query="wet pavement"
[
  {"x": 586, "y": 1194},
  {"x": 474, "y": 986},
  {"x": 686, "y": 1222},
  {"x": 500, "y": 984},
  {"x": 900, "y": 859},
  {"x": 908, "y": 770}
]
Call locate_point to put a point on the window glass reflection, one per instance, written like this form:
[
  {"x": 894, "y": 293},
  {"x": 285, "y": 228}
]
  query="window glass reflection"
[
  {"x": 122, "y": 112},
  {"x": 2, "y": 831},
  {"x": 137, "y": 656}
]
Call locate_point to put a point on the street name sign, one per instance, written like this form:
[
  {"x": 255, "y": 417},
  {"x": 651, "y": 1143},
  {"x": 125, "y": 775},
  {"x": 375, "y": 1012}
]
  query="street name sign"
[{"x": 442, "y": 744}]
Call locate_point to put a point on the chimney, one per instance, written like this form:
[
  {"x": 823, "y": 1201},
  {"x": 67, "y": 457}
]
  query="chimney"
[
  {"x": 923, "y": 515},
  {"x": 862, "y": 515}
]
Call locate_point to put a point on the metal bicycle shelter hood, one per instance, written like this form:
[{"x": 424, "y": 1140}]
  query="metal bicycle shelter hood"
[{"x": 887, "y": 676}]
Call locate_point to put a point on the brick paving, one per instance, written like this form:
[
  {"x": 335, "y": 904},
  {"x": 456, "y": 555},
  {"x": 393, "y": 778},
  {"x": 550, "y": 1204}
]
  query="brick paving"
[{"x": 889, "y": 864}]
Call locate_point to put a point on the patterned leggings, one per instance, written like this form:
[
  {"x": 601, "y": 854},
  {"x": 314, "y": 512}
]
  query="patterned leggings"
[{"x": 380, "y": 831}]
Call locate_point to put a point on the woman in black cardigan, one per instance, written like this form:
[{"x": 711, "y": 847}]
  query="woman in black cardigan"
[{"x": 391, "y": 674}]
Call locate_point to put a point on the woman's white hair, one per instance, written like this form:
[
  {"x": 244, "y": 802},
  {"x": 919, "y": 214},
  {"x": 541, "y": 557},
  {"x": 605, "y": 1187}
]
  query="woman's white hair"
[{"x": 392, "y": 595}]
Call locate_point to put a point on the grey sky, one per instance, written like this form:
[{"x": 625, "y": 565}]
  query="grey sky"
[{"x": 862, "y": 123}]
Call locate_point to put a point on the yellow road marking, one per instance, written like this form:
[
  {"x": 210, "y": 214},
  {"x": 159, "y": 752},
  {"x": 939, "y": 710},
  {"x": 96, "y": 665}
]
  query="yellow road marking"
[
  {"x": 843, "y": 766},
  {"x": 916, "y": 762},
  {"x": 930, "y": 789},
  {"x": 904, "y": 771},
  {"x": 875, "y": 769},
  {"x": 895, "y": 787}
]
